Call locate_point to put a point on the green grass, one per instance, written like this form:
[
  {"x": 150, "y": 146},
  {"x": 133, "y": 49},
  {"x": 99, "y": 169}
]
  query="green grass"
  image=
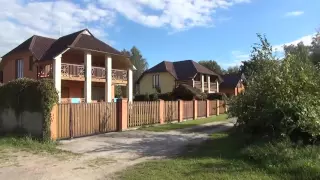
[
  {"x": 227, "y": 156},
  {"x": 30, "y": 145},
  {"x": 185, "y": 124}
]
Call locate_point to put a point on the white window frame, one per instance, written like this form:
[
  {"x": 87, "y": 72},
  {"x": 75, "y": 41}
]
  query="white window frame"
[
  {"x": 19, "y": 68},
  {"x": 155, "y": 80}
]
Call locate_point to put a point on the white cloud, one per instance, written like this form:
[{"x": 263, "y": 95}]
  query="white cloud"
[
  {"x": 294, "y": 13},
  {"x": 20, "y": 20},
  {"x": 305, "y": 39},
  {"x": 236, "y": 59},
  {"x": 175, "y": 14}
]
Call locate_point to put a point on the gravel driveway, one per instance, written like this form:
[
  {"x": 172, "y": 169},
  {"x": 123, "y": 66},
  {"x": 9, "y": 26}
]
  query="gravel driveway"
[{"x": 102, "y": 155}]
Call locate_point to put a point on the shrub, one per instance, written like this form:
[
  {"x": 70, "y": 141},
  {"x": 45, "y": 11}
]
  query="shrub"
[
  {"x": 281, "y": 100},
  {"x": 216, "y": 96},
  {"x": 186, "y": 92},
  {"x": 154, "y": 97},
  {"x": 167, "y": 96},
  {"x": 30, "y": 95}
]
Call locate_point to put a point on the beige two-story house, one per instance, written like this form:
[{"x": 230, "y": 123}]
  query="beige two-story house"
[{"x": 165, "y": 76}]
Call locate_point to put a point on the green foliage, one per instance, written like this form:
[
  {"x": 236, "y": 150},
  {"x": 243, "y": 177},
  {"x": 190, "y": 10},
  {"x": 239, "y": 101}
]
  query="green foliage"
[
  {"x": 139, "y": 62},
  {"x": 118, "y": 92},
  {"x": 281, "y": 99},
  {"x": 154, "y": 97},
  {"x": 232, "y": 70},
  {"x": 30, "y": 95},
  {"x": 261, "y": 56},
  {"x": 167, "y": 96},
  {"x": 186, "y": 92},
  {"x": 216, "y": 96},
  {"x": 212, "y": 65}
]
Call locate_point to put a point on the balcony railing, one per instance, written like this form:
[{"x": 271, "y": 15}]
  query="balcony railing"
[{"x": 77, "y": 72}]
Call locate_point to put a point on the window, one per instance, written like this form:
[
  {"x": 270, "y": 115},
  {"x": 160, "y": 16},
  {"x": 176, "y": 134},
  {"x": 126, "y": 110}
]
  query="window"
[
  {"x": 19, "y": 68},
  {"x": 155, "y": 81},
  {"x": 1, "y": 76},
  {"x": 30, "y": 63}
]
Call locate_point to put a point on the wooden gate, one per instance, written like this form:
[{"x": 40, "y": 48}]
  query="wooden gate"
[
  {"x": 212, "y": 107},
  {"x": 76, "y": 120},
  {"x": 171, "y": 111},
  {"x": 202, "y": 108},
  {"x": 188, "y": 109}
]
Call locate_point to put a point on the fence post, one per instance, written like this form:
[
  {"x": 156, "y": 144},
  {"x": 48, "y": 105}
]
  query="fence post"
[
  {"x": 122, "y": 111},
  {"x": 180, "y": 111},
  {"x": 218, "y": 108},
  {"x": 161, "y": 111},
  {"x": 54, "y": 121},
  {"x": 195, "y": 109},
  {"x": 207, "y": 108}
]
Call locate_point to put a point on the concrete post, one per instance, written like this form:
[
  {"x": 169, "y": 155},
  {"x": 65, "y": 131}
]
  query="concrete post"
[
  {"x": 180, "y": 111},
  {"x": 161, "y": 111},
  {"x": 108, "y": 69},
  {"x": 88, "y": 78},
  {"x": 57, "y": 75},
  {"x": 208, "y": 81},
  {"x": 195, "y": 109},
  {"x": 208, "y": 108},
  {"x": 130, "y": 86},
  {"x": 202, "y": 83},
  {"x": 122, "y": 114}
]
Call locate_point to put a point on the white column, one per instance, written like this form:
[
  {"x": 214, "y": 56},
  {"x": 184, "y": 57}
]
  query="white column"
[
  {"x": 130, "y": 86},
  {"x": 217, "y": 83},
  {"x": 192, "y": 82},
  {"x": 108, "y": 66},
  {"x": 57, "y": 75},
  {"x": 208, "y": 81},
  {"x": 202, "y": 83},
  {"x": 88, "y": 79}
]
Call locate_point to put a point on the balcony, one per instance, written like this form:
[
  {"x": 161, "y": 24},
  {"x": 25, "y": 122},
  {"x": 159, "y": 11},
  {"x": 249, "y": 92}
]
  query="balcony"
[{"x": 76, "y": 72}]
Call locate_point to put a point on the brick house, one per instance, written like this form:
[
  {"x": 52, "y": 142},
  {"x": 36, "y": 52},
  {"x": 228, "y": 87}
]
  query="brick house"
[{"x": 82, "y": 66}]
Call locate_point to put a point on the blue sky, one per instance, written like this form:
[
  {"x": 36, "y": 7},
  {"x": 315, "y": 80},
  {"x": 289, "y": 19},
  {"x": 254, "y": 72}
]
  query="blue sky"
[{"x": 222, "y": 30}]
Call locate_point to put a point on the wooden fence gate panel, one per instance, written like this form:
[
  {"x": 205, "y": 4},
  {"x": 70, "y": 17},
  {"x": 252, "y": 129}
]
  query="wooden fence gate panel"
[
  {"x": 213, "y": 108},
  {"x": 171, "y": 111},
  {"x": 143, "y": 113},
  {"x": 202, "y": 108},
  {"x": 188, "y": 109},
  {"x": 222, "y": 107},
  {"x": 76, "y": 120}
]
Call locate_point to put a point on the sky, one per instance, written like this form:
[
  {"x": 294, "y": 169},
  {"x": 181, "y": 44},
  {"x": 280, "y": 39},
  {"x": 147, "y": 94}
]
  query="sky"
[{"x": 171, "y": 30}]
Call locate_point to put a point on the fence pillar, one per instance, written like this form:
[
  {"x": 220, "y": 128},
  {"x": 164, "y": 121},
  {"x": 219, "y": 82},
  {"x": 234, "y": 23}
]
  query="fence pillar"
[
  {"x": 122, "y": 111},
  {"x": 54, "y": 121},
  {"x": 195, "y": 109},
  {"x": 207, "y": 108},
  {"x": 180, "y": 111},
  {"x": 218, "y": 108},
  {"x": 161, "y": 111}
]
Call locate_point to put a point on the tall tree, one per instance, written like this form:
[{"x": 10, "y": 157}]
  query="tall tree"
[
  {"x": 261, "y": 55},
  {"x": 315, "y": 49},
  {"x": 139, "y": 62},
  {"x": 232, "y": 69},
  {"x": 212, "y": 65}
]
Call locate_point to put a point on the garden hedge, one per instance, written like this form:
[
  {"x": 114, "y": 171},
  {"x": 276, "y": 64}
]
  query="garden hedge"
[{"x": 30, "y": 95}]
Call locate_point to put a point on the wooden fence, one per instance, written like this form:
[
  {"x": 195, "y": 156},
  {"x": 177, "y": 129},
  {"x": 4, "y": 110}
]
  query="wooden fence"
[
  {"x": 202, "y": 109},
  {"x": 83, "y": 119},
  {"x": 212, "y": 108},
  {"x": 143, "y": 113},
  {"x": 76, "y": 120},
  {"x": 188, "y": 109},
  {"x": 171, "y": 111}
]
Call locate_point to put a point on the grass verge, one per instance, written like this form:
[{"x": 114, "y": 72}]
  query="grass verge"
[
  {"x": 226, "y": 156},
  {"x": 185, "y": 124},
  {"x": 29, "y": 144}
]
